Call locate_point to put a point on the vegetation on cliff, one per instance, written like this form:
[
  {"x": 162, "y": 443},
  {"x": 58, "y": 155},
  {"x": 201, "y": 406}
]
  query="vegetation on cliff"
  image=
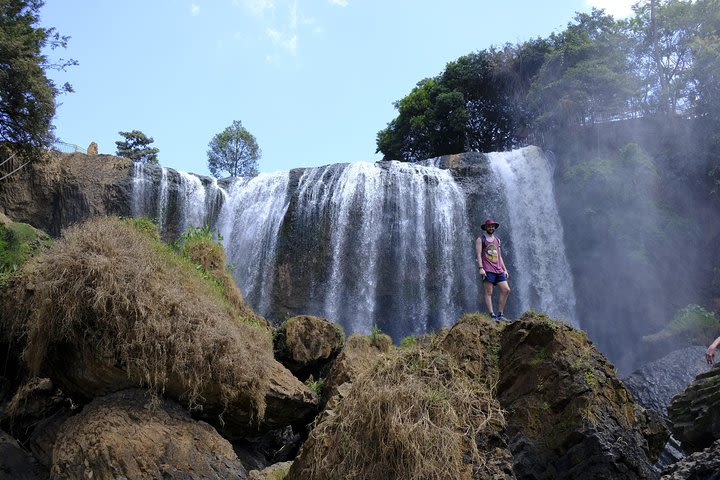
[{"x": 18, "y": 242}]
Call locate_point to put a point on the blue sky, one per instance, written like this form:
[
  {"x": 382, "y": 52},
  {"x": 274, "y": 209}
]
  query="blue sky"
[{"x": 313, "y": 80}]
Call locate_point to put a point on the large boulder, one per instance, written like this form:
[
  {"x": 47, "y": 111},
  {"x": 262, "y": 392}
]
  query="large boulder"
[
  {"x": 568, "y": 415},
  {"x": 109, "y": 307},
  {"x": 415, "y": 415},
  {"x": 695, "y": 413},
  {"x": 129, "y": 434},
  {"x": 305, "y": 343}
]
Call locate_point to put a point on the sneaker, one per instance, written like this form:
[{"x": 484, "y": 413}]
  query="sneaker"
[
  {"x": 500, "y": 316},
  {"x": 492, "y": 315}
]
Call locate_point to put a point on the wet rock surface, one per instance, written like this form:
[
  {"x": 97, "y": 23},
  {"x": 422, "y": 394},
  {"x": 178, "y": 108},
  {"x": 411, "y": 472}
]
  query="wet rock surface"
[
  {"x": 656, "y": 383},
  {"x": 568, "y": 415},
  {"x": 702, "y": 465},
  {"x": 695, "y": 413}
]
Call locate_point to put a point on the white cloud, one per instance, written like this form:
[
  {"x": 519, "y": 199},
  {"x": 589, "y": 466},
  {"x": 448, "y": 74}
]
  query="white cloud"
[
  {"x": 340, "y": 3},
  {"x": 195, "y": 10},
  {"x": 616, "y": 8},
  {"x": 257, "y": 7},
  {"x": 288, "y": 42}
]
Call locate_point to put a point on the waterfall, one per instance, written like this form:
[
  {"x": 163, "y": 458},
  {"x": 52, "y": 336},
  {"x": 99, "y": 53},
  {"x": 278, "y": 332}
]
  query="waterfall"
[
  {"x": 541, "y": 278},
  {"x": 175, "y": 201},
  {"x": 363, "y": 244},
  {"x": 397, "y": 236},
  {"x": 249, "y": 223}
]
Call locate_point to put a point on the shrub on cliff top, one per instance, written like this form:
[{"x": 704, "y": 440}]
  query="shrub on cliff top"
[
  {"x": 113, "y": 291},
  {"x": 415, "y": 415}
]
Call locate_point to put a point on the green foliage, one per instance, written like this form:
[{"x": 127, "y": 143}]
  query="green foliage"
[
  {"x": 375, "y": 334},
  {"x": 136, "y": 147},
  {"x": 469, "y": 106},
  {"x": 316, "y": 386},
  {"x": 145, "y": 226},
  {"x": 586, "y": 77},
  {"x": 235, "y": 151},
  {"x": 27, "y": 95},
  {"x": 693, "y": 323},
  {"x": 408, "y": 342},
  {"x": 18, "y": 242}
]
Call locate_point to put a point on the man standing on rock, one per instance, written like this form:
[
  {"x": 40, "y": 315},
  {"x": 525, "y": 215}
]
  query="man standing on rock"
[{"x": 492, "y": 267}]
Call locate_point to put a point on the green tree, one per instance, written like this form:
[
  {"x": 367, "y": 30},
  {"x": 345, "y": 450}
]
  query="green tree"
[
  {"x": 663, "y": 32},
  {"x": 469, "y": 106},
  {"x": 136, "y": 147},
  {"x": 27, "y": 96},
  {"x": 586, "y": 77},
  {"x": 235, "y": 151}
]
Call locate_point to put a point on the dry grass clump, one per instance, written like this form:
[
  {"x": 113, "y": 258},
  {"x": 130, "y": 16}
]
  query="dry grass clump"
[
  {"x": 415, "y": 415},
  {"x": 131, "y": 301}
]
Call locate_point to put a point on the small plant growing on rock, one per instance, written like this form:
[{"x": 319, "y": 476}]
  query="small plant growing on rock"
[{"x": 408, "y": 342}]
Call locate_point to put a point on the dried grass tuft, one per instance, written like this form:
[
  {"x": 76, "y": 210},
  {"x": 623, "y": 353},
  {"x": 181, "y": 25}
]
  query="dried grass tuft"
[
  {"x": 415, "y": 415},
  {"x": 112, "y": 290}
]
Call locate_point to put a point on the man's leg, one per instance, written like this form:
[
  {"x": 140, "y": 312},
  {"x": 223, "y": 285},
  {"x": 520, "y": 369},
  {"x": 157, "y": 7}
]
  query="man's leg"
[
  {"x": 488, "y": 296},
  {"x": 504, "y": 292}
]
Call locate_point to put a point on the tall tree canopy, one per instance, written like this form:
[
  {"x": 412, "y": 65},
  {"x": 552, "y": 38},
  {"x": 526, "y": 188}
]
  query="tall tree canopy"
[
  {"x": 469, "y": 106},
  {"x": 27, "y": 96},
  {"x": 235, "y": 151},
  {"x": 136, "y": 147},
  {"x": 663, "y": 61}
]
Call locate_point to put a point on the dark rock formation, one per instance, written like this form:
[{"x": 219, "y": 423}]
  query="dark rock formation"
[
  {"x": 16, "y": 463},
  {"x": 695, "y": 413},
  {"x": 568, "y": 415},
  {"x": 34, "y": 416},
  {"x": 67, "y": 188},
  {"x": 125, "y": 436},
  {"x": 656, "y": 383},
  {"x": 306, "y": 343},
  {"x": 702, "y": 465}
]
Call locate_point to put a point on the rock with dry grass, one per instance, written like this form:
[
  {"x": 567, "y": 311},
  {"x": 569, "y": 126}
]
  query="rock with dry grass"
[
  {"x": 568, "y": 415},
  {"x": 130, "y": 434},
  {"x": 305, "y": 343},
  {"x": 357, "y": 355},
  {"x": 415, "y": 415},
  {"x": 109, "y": 307}
]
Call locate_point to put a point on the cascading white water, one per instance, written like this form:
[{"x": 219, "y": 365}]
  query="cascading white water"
[
  {"x": 249, "y": 223},
  {"x": 542, "y": 277},
  {"x": 399, "y": 245},
  {"x": 191, "y": 193}
]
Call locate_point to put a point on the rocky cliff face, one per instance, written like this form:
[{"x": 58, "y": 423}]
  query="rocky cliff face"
[{"x": 66, "y": 188}]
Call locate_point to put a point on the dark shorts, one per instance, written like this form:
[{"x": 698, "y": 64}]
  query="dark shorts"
[{"x": 495, "y": 278}]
